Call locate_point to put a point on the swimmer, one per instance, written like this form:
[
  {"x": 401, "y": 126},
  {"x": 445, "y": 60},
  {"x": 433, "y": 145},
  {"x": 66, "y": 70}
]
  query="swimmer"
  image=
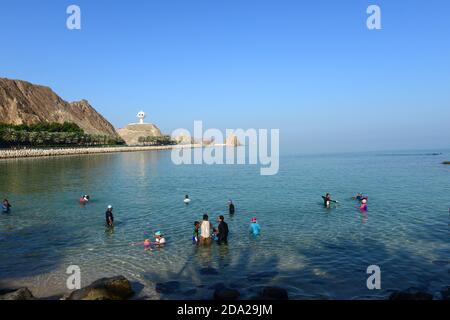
[
  {"x": 222, "y": 231},
  {"x": 109, "y": 217},
  {"x": 84, "y": 199},
  {"x": 6, "y": 206},
  {"x": 186, "y": 199},
  {"x": 159, "y": 238},
  {"x": 255, "y": 229},
  {"x": 231, "y": 208},
  {"x": 327, "y": 200},
  {"x": 360, "y": 197},
  {"x": 147, "y": 244},
  {"x": 363, "y": 206},
  {"x": 195, "y": 236},
  {"x": 205, "y": 230}
]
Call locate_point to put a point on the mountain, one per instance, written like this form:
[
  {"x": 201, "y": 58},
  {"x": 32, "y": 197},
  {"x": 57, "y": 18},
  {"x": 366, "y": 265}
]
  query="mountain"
[{"x": 24, "y": 103}]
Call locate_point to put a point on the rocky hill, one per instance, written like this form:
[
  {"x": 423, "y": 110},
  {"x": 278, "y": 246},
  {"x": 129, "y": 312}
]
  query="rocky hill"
[
  {"x": 24, "y": 103},
  {"x": 132, "y": 132}
]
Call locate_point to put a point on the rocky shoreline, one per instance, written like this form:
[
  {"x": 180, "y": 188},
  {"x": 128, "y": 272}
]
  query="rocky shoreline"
[
  {"x": 120, "y": 288},
  {"x": 34, "y": 153}
]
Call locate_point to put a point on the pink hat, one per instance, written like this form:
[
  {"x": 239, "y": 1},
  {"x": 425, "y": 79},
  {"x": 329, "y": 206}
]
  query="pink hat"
[{"x": 253, "y": 219}]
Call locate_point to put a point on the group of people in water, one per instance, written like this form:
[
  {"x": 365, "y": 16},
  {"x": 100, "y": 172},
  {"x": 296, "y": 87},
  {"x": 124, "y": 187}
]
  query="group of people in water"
[
  {"x": 362, "y": 199},
  {"x": 204, "y": 232}
]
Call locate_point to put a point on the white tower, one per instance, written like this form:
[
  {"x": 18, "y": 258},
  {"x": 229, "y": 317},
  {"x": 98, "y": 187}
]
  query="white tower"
[{"x": 141, "y": 116}]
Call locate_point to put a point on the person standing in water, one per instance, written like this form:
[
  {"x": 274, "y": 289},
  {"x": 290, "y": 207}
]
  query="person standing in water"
[
  {"x": 327, "y": 200},
  {"x": 109, "y": 217},
  {"x": 255, "y": 229},
  {"x": 205, "y": 230},
  {"x": 222, "y": 231},
  {"x": 231, "y": 208},
  {"x": 6, "y": 206}
]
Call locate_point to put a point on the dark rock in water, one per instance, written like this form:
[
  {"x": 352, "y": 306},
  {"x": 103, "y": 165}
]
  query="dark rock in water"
[
  {"x": 16, "y": 294},
  {"x": 167, "y": 287},
  {"x": 262, "y": 275},
  {"x": 190, "y": 292},
  {"x": 274, "y": 293},
  {"x": 446, "y": 162},
  {"x": 208, "y": 271},
  {"x": 217, "y": 286},
  {"x": 115, "y": 288},
  {"x": 226, "y": 294},
  {"x": 411, "y": 294},
  {"x": 446, "y": 293},
  {"x": 441, "y": 263}
]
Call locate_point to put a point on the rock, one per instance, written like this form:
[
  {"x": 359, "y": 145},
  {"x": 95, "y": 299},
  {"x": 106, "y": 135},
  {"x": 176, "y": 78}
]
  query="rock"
[
  {"x": 446, "y": 162},
  {"x": 183, "y": 139},
  {"x": 411, "y": 294},
  {"x": 226, "y": 294},
  {"x": 167, "y": 287},
  {"x": 274, "y": 293},
  {"x": 18, "y": 294},
  {"x": 189, "y": 292},
  {"x": 115, "y": 288},
  {"x": 208, "y": 271},
  {"x": 217, "y": 286},
  {"x": 446, "y": 293},
  {"x": 132, "y": 132},
  {"x": 261, "y": 276},
  {"x": 24, "y": 103}
]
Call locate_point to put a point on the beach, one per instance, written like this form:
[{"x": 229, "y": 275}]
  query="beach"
[{"x": 33, "y": 153}]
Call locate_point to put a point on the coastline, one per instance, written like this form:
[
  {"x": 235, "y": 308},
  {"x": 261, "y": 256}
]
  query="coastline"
[{"x": 35, "y": 153}]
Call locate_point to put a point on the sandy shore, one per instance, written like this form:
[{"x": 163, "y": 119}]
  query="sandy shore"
[{"x": 33, "y": 153}]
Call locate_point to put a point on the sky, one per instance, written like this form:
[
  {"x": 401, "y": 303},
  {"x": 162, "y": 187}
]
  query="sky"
[{"x": 311, "y": 69}]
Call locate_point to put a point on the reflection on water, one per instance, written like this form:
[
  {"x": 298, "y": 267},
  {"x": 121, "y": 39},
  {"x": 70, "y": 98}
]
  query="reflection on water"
[{"x": 312, "y": 251}]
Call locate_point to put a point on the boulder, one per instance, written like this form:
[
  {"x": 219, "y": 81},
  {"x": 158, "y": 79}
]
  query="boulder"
[
  {"x": 411, "y": 294},
  {"x": 226, "y": 294},
  {"x": 208, "y": 271},
  {"x": 274, "y": 293},
  {"x": 446, "y": 293},
  {"x": 115, "y": 288},
  {"x": 167, "y": 287},
  {"x": 16, "y": 294}
]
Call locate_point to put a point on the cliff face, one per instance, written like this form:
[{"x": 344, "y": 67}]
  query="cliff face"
[{"x": 24, "y": 103}]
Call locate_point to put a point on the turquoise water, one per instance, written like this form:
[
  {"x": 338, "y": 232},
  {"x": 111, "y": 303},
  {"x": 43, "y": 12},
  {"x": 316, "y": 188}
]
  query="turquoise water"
[{"x": 311, "y": 251}]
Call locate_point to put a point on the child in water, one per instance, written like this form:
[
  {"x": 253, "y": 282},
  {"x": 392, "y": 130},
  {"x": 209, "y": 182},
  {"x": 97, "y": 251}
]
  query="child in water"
[
  {"x": 363, "y": 206},
  {"x": 147, "y": 244},
  {"x": 195, "y": 236},
  {"x": 255, "y": 229}
]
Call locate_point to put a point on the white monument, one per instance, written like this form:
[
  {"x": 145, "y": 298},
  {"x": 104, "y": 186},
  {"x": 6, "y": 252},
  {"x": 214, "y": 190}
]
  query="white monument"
[
  {"x": 141, "y": 116},
  {"x": 133, "y": 131}
]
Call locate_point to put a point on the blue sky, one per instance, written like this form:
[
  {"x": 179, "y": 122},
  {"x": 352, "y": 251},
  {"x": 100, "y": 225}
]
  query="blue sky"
[{"x": 310, "y": 68}]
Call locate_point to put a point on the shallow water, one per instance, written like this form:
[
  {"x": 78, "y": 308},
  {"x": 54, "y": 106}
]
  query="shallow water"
[{"x": 311, "y": 251}]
